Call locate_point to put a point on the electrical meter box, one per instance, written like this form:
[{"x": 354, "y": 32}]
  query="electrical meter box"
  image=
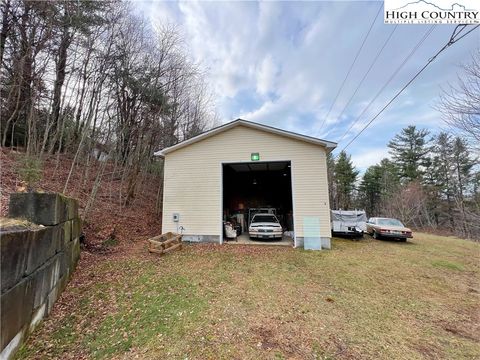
[{"x": 176, "y": 217}]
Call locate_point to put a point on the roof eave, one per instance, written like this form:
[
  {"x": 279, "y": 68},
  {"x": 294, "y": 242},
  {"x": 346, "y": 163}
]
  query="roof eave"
[{"x": 329, "y": 145}]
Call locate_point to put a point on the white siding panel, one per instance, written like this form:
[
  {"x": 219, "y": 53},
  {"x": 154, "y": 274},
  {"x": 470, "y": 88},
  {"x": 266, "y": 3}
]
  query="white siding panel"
[{"x": 193, "y": 180}]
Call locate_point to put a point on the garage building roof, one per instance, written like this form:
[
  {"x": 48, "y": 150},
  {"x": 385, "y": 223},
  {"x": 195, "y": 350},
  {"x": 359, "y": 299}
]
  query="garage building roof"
[{"x": 240, "y": 122}]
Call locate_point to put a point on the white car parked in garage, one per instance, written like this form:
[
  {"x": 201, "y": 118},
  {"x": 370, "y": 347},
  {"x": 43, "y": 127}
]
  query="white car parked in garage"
[{"x": 265, "y": 226}]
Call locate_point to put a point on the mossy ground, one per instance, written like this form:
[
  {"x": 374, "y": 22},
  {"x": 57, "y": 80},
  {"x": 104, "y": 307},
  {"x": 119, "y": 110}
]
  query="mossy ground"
[{"x": 362, "y": 300}]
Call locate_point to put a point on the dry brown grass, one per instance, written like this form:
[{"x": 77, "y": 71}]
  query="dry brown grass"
[{"x": 361, "y": 300}]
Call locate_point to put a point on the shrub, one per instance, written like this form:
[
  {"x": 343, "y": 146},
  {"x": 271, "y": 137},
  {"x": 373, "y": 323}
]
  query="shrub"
[{"x": 30, "y": 171}]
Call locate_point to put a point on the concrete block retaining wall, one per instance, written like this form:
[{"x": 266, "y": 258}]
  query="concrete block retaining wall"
[{"x": 36, "y": 262}]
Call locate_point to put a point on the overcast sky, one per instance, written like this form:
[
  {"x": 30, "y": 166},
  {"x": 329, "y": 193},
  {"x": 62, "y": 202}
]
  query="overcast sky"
[{"x": 282, "y": 64}]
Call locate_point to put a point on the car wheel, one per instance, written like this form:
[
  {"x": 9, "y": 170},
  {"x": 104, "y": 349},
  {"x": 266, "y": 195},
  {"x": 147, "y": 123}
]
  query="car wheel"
[
  {"x": 375, "y": 235},
  {"x": 403, "y": 239}
]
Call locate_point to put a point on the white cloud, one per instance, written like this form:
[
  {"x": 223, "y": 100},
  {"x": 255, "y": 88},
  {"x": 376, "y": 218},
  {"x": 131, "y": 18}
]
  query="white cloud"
[
  {"x": 291, "y": 57},
  {"x": 266, "y": 75},
  {"x": 363, "y": 158}
]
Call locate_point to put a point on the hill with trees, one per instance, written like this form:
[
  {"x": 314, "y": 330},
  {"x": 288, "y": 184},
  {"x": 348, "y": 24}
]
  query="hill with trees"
[{"x": 95, "y": 87}]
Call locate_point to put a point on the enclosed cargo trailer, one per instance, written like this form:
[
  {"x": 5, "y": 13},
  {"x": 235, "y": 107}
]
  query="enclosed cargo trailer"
[{"x": 348, "y": 222}]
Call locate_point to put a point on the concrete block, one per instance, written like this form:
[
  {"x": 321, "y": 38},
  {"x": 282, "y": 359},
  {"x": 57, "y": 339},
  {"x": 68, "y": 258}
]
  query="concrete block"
[
  {"x": 72, "y": 254},
  {"x": 76, "y": 251},
  {"x": 64, "y": 263},
  {"x": 55, "y": 293},
  {"x": 37, "y": 316},
  {"x": 13, "y": 345},
  {"x": 326, "y": 243},
  {"x": 63, "y": 282},
  {"x": 43, "y": 208},
  {"x": 76, "y": 228},
  {"x": 71, "y": 207},
  {"x": 14, "y": 249},
  {"x": 201, "y": 238},
  {"x": 36, "y": 263},
  {"x": 299, "y": 242},
  {"x": 44, "y": 243},
  {"x": 67, "y": 231},
  {"x": 16, "y": 310},
  {"x": 45, "y": 279},
  {"x": 59, "y": 237}
]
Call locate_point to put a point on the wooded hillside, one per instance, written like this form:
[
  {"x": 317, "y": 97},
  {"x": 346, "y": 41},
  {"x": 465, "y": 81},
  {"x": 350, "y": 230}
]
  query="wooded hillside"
[{"x": 89, "y": 90}]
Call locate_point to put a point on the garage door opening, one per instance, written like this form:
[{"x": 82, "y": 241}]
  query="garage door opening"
[{"x": 257, "y": 187}]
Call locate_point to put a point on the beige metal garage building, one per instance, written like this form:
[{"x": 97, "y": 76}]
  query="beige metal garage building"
[{"x": 242, "y": 165}]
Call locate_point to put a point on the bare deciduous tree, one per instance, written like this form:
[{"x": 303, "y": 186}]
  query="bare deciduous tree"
[
  {"x": 460, "y": 103},
  {"x": 97, "y": 81}
]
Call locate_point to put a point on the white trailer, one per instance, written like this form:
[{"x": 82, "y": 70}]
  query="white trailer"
[{"x": 348, "y": 222}]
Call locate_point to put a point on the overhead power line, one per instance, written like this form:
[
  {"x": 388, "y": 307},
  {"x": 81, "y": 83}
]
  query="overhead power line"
[
  {"x": 389, "y": 80},
  {"x": 453, "y": 39},
  {"x": 351, "y": 66},
  {"x": 377, "y": 56}
]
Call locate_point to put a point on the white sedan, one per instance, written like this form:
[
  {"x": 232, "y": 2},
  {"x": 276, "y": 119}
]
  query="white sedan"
[{"x": 265, "y": 226}]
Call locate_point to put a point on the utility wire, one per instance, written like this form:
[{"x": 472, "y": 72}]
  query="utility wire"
[
  {"x": 351, "y": 66},
  {"x": 458, "y": 33},
  {"x": 452, "y": 41},
  {"x": 368, "y": 72},
  {"x": 455, "y": 32},
  {"x": 397, "y": 70}
]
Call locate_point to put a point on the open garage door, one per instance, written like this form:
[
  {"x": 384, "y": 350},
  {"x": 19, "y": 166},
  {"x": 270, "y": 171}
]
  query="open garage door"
[{"x": 257, "y": 187}]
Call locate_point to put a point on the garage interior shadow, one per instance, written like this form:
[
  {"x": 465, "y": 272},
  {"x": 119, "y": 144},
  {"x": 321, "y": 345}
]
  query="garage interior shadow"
[{"x": 255, "y": 185}]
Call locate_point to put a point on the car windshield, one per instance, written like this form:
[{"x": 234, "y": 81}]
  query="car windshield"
[
  {"x": 391, "y": 222},
  {"x": 264, "y": 218}
]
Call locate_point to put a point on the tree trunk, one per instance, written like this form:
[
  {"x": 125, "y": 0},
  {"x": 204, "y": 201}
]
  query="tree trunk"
[
  {"x": 59, "y": 80},
  {"x": 5, "y": 29}
]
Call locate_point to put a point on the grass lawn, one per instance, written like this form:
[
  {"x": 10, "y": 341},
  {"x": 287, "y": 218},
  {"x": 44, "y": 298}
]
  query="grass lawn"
[{"x": 362, "y": 300}]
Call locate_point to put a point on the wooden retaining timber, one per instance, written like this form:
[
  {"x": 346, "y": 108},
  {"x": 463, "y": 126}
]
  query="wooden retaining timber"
[{"x": 165, "y": 243}]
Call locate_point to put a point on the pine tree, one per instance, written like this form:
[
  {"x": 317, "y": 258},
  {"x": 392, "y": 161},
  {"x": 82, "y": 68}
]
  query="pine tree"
[
  {"x": 390, "y": 178},
  {"x": 331, "y": 180},
  {"x": 379, "y": 182},
  {"x": 409, "y": 151},
  {"x": 345, "y": 178},
  {"x": 370, "y": 189}
]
